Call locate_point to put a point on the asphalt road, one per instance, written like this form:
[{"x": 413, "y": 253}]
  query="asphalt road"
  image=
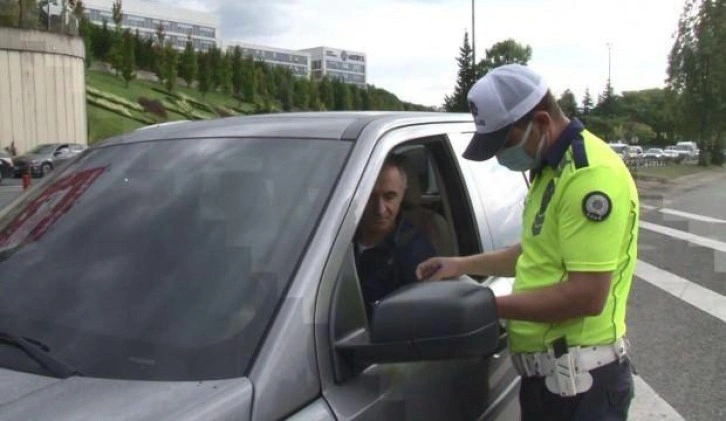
[
  {"x": 678, "y": 337},
  {"x": 9, "y": 189}
]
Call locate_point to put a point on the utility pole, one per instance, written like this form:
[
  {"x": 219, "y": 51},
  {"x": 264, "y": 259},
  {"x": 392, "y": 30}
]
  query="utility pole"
[
  {"x": 473, "y": 37},
  {"x": 609, "y": 48}
]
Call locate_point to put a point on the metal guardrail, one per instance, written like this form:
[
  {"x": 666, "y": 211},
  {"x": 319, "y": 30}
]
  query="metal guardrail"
[{"x": 634, "y": 164}]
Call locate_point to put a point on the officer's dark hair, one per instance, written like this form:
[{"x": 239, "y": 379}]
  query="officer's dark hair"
[{"x": 548, "y": 104}]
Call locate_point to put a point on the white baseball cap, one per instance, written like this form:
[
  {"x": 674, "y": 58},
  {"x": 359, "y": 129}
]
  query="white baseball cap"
[{"x": 497, "y": 101}]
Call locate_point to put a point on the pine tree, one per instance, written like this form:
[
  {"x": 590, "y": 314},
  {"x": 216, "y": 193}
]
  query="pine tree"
[
  {"x": 587, "y": 103},
  {"x": 238, "y": 74},
  {"x": 128, "y": 58},
  {"x": 188, "y": 67},
  {"x": 203, "y": 75},
  {"x": 249, "y": 79},
  {"x": 465, "y": 80},
  {"x": 170, "y": 67},
  {"x": 226, "y": 74}
]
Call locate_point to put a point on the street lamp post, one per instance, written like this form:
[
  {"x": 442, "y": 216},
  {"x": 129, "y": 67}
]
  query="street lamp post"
[
  {"x": 473, "y": 37},
  {"x": 609, "y": 48}
]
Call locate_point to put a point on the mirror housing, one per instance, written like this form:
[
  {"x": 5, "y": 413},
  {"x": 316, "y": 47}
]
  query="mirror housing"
[{"x": 428, "y": 321}]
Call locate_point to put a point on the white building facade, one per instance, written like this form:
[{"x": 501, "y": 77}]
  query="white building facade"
[
  {"x": 297, "y": 61},
  {"x": 145, "y": 16},
  {"x": 345, "y": 65}
]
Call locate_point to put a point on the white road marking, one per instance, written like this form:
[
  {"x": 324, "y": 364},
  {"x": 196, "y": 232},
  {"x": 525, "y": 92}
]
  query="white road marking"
[
  {"x": 694, "y": 216},
  {"x": 648, "y": 405},
  {"x": 687, "y": 236},
  {"x": 702, "y": 298},
  {"x": 682, "y": 214}
]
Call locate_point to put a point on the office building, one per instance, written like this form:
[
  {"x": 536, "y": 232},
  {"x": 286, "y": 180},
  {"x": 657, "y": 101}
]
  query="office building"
[
  {"x": 348, "y": 66},
  {"x": 298, "y": 62},
  {"x": 145, "y": 16}
]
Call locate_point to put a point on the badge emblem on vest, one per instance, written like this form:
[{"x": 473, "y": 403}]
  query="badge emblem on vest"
[{"x": 596, "y": 206}]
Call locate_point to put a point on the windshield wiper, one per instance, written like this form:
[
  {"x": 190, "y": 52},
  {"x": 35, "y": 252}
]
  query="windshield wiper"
[{"x": 39, "y": 352}]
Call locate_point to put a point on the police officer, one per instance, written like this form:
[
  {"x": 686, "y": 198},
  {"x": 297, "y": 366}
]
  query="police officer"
[{"x": 574, "y": 265}]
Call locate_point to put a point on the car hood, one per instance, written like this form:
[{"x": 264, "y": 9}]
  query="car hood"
[{"x": 25, "y": 396}]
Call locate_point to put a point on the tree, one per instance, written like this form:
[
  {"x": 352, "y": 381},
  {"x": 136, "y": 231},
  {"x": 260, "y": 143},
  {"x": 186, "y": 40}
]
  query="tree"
[
  {"x": 85, "y": 30},
  {"x": 285, "y": 95},
  {"x": 226, "y": 74},
  {"x": 302, "y": 94},
  {"x": 568, "y": 103},
  {"x": 343, "y": 100},
  {"x": 204, "y": 73},
  {"x": 188, "y": 67},
  {"x": 697, "y": 72},
  {"x": 504, "y": 52},
  {"x": 327, "y": 96},
  {"x": 238, "y": 72},
  {"x": 465, "y": 80},
  {"x": 117, "y": 14},
  {"x": 587, "y": 103},
  {"x": 356, "y": 98},
  {"x": 217, "y": 68},
  {"x": 159, "y": 49},
  {"x": 260, "y": 80},
  {"x": 128, "y": 60},
  {"x": 365, "y": 99},
  {"x": 314, "y": 101},
  {"x": 249, "y": 79},
  {"x": 607, "y": 102},
  {"x": 116, "y": 54},
  {"x": 170, "y": 67}
]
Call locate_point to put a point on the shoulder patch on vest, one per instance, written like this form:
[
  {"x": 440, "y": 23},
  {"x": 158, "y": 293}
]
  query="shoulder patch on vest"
[{"x": 596, "y": 206}]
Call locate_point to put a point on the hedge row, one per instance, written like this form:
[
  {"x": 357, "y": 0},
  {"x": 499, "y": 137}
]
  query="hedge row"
[{"x": 114, "y": 98}]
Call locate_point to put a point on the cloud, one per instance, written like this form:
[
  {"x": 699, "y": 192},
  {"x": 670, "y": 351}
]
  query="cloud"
[{"x": 412, "y": 44}]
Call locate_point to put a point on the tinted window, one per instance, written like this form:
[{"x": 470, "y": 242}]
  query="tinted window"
[
  {"x": 162, "y": 260},
  {"x": 42, "y": 149}
]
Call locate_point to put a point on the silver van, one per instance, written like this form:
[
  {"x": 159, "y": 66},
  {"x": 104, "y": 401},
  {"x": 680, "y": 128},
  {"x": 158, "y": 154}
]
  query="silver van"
[{"x": 204, "y": 271}]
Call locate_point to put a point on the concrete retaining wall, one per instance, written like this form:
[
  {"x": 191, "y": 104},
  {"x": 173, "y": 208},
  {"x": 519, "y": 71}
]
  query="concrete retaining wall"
[{"x": 42, "y": 89}]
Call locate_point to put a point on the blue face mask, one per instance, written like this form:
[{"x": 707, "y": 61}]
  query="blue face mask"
[{"x": 516, "y": 158}]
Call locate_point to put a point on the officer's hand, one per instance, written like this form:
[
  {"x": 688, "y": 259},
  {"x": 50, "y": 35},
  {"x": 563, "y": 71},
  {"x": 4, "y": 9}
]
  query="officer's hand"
[{"x": 437, "y": 268}]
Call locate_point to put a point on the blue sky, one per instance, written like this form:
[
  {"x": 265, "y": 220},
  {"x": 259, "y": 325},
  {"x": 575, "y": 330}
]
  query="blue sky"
[{"x": 412, "y": 44}]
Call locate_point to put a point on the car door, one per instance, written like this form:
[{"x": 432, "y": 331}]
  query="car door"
[
  {"x": 460, "y": 389},
  {"x": 62, "y": 153}
]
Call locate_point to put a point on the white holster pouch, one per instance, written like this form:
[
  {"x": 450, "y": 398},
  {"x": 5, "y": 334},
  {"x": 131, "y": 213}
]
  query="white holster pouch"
[{"x": 569, "y": 374}]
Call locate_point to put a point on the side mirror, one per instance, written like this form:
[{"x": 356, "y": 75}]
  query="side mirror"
[{"x": 428, "y": 321}]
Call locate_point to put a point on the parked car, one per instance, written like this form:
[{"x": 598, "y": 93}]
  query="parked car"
[
  {"x": 670, "y": 152},
  {"x": 6, "y": 166},
  {"x": 656, "y": 153},
  {"x": 205, "y": 271},
  {"x": 621, "y": 149},
  {"x": 635, "y": 152},
  {"x": 687, "y": 149},
  {"x": 45, "y": 157}
]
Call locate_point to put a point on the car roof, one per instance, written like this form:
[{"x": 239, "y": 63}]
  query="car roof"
[{"x": 304, "y": 125}]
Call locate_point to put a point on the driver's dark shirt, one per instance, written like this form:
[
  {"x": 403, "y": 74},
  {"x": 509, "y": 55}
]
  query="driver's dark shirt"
[{"x": 392, "y": 263}]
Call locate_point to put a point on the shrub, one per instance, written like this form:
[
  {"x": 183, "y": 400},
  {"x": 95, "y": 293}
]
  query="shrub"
[{"x": 153, "y": 106}]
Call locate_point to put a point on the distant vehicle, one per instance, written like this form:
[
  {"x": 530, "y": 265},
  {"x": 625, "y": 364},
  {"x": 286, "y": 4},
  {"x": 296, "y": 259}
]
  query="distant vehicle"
[
  {"x": 44, "y": 158},
  {"x": 657, "y": 153},
  {"x": 6, "y": 166},
  {"x": 635, "y": 152},
  {"x": 621, "y": 149},
  {"x": 670, "y": 152},
  {"x": 687, "y": 149}
]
